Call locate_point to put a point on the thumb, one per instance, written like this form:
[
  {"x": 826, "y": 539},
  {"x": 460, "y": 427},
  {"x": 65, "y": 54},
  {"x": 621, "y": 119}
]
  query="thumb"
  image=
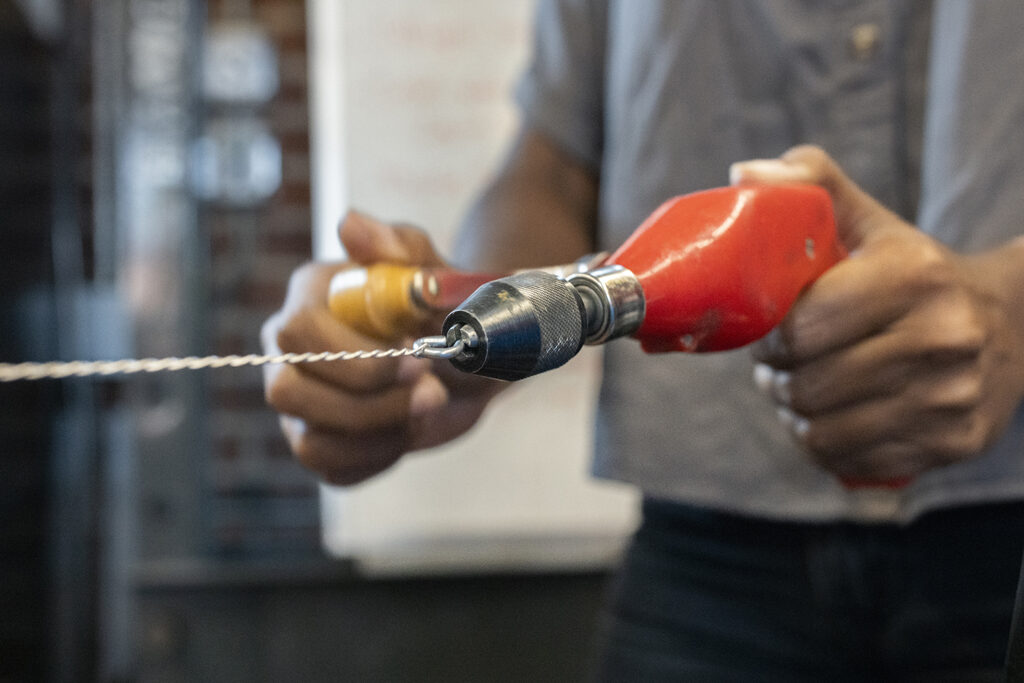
[
  {"x": 368, "y": 240},
  {"x": 857, "y": 214}
]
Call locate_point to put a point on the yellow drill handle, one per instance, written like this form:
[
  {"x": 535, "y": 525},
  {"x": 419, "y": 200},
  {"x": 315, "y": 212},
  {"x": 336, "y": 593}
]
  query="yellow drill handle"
[{"x": 377, "y": 300}]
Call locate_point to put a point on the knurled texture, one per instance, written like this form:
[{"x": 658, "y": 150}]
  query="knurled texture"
[{"x": 559, "y": 317}]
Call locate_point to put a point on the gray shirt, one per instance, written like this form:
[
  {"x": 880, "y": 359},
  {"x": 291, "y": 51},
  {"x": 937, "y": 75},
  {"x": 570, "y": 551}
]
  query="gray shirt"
[{"x": 660, "y": 96}]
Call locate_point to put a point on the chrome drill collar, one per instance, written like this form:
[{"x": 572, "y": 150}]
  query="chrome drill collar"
[{"x": 618, "y": 300}]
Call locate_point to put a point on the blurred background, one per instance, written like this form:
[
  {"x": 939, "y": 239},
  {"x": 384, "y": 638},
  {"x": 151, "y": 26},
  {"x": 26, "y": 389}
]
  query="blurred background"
[{"x": 155, "y": 187}]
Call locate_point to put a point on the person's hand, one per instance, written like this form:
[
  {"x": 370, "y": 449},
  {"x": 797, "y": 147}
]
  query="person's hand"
[
  {"x": 349, "y": 420},
  {"x": 903, "y": 357}
]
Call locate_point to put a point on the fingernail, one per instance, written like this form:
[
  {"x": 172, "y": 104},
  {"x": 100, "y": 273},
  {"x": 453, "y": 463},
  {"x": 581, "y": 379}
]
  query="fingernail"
[
  {"x": 785, "y": 416},
  {"x": 763, "y": 377},
  {"x": 766, "y": 171},
  {"x": 428, "y": 396},
  {"x": 376, "y": 237},
  {"x": 798, "y": 426},
  {"x": 774, "y": 383},
  {"x": 357, "y": 220},
  {"x": 780, "y": 387},
  {"x": 801, "y": 426}
]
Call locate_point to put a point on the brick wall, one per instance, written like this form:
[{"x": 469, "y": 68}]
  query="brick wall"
[{"x": 263, "y": 502}]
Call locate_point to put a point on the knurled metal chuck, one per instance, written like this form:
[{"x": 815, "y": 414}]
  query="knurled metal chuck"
[{"x": 531, "y": 322}]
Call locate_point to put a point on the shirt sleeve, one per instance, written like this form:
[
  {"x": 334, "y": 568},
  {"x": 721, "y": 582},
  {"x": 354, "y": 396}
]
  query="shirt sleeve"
[{"x": 561, "y": 92}]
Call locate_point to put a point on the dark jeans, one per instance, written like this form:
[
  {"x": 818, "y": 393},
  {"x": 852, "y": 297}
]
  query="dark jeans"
[{"x": 707, "y": 596}]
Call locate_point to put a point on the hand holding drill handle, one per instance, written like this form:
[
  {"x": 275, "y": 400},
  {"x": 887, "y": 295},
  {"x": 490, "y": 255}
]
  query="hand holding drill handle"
[
  {"x": 349, "y": 421},
  {"x": 903, "y": 357}
]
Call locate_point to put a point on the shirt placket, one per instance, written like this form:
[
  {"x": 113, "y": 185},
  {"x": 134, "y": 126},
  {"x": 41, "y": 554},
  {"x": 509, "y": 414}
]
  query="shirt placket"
[{"x": 863, "y": 109}]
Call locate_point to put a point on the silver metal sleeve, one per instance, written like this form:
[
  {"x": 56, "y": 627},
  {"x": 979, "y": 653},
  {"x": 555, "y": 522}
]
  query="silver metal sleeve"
[{"x": 614, "y": 301}]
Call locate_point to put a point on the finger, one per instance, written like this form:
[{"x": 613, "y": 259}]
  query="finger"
[
  {"x": 938, "y": 326},
  {"x": 306, "y": 325},
  {"x": 837, "y": 438},
  {"x": 320, "y": 404},
  {"x": 934, "y": 425},
  {"x": 884, "y": 465},
  {"x": 857, "y": 213},
  {"x": 854, "y": 299},
  {"x": 893, "y": 276},
  {"x": 460, "y": 415},
  {"x": 902, "y": 362},
  {"x": 313, "y": 329},
  {"x": 875, "y": 368},
  {"x": 368, "y": 240},
  {"x": 884, "y": 461},
  {"x": 316, "y": 330},
  {"x": 308, "y": 285},
  {"x": 418, "y": 245},
  {"x": 342, "y": 459}
]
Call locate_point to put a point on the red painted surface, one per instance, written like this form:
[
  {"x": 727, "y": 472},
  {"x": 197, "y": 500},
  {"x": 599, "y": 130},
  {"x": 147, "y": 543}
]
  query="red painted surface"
[{"x": 720, "y": 268}]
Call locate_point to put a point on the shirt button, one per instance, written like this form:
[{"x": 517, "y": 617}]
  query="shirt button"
[{"x": 864, "y": 41}]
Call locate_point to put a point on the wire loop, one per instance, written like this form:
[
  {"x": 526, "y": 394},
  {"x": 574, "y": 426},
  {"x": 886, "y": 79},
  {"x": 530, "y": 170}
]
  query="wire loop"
[{"x": 437, "y": 348}]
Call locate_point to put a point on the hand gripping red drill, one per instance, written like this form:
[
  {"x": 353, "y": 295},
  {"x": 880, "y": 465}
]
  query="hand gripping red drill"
[{"x": 708, "y": 271}]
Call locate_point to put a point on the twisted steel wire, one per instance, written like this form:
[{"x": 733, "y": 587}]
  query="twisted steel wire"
[{"x": 12, "y": 372}]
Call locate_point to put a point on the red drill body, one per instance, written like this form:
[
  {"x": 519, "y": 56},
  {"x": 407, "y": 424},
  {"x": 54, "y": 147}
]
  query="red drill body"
[{"x": 721, "y": 268}]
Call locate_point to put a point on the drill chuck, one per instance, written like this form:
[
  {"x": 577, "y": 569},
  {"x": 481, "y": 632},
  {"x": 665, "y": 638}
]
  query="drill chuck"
[{"x": 528, "y": 323}]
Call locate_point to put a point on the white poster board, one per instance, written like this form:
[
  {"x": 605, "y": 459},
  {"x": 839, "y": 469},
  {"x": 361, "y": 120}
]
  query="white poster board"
[{"x": 412, "y": 109}]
